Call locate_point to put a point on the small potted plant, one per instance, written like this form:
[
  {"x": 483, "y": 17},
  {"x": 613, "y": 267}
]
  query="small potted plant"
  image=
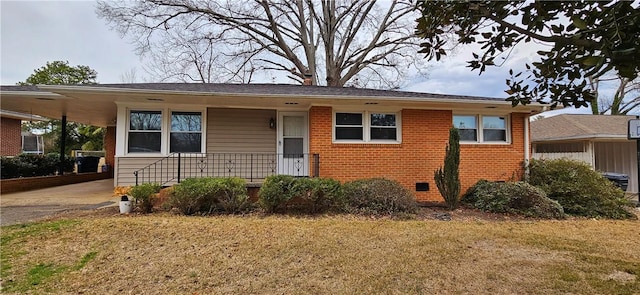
[{"x": 125, "y": 203}]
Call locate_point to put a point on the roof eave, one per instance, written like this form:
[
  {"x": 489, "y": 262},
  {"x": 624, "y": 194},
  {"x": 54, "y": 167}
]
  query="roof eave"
[
  {"x": 34, "y": 94},
  {"x": 533, "y": 107},
  {"x": 584, "y": 137}
]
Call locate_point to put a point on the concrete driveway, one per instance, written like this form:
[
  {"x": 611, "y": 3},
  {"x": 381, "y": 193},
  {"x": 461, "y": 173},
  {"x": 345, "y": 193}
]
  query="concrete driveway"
[{"x": 29, "y": 206}]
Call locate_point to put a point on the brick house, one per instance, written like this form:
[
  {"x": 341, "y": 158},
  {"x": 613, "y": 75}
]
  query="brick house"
[
  {"x": 166, "y": 132},
  {"x": 11, "y": 136}
]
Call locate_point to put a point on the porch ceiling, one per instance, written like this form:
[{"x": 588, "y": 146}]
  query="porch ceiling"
[
  {"x": 94, "y": 111},
  {"x": 98, "y": 105}
]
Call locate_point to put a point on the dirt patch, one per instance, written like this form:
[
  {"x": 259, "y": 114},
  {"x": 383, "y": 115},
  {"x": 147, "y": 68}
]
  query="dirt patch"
[{"x": 621, "y": 276}]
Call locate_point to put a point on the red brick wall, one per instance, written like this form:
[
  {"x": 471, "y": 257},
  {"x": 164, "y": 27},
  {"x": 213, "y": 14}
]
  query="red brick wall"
[
  {"x": 32, "y": 183},
  {"x": 110, "y": 147},
  {"x": 424, "y": 136},
  {"x": 11, "y": 138}
]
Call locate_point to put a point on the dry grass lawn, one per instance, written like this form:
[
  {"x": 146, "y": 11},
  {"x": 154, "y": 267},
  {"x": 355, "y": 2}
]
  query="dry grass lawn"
[{"x": 166, "y": 254}]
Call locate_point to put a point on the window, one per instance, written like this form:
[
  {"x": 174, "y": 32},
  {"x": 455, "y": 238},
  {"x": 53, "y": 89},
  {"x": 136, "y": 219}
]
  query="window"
[
  {"x": 366, "y": 127},
  {"x": 570, "y": 147},
  {"x": 383, "y": 127},
  {"x": 145, "y": 131},
  {"x": 466, "y": 127},
  {"x": 349, "y": 126},
  {"x": 493, "y": 129},
  {"x": 293, "y": 136},
  {"x": 186, "y": 132}
]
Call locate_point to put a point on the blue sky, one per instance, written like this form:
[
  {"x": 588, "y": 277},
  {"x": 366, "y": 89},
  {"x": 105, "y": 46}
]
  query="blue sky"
[{"x": 34, "y": 32}]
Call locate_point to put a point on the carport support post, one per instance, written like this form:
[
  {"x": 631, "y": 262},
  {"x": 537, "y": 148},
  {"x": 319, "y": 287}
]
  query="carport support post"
[{"x": 63, "y": 139}]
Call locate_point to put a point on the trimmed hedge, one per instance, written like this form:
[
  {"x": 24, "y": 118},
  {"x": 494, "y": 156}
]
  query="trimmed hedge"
[
  {"x": 378, "y": 196},
  {"x": 276, "y": 191},
  {"x": 29, "y": 165},
  {"x": 145, "y": 195},
  {"x": 315, "y": 195},
  {"x": 512, "y": 197},
  {"x": 580, "y": 190},
  {"x": 206, "y": 195}
]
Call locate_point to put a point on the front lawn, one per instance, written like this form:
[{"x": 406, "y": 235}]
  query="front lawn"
[{"x": 166, "y": 254}]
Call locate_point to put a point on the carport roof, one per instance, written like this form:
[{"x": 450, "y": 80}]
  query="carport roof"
[{"x": 579, "y": 127}]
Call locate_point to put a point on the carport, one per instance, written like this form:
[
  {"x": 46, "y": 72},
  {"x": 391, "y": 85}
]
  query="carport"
[{"x": 32, "y": 205}]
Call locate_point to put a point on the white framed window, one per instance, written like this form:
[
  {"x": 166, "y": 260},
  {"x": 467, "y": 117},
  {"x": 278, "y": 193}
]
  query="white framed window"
[
  {"x": 186, "y": 132},
  {"x": 482, "y": 128},
  {"x": 366, "y": 126},
  {"x": 349, "y": 126},
  {"x": 144, "y": 132},
  {"x": 467, "y": 127},
  {"x": 494, "y": 128},
  {"x": 160, "y": 130}
]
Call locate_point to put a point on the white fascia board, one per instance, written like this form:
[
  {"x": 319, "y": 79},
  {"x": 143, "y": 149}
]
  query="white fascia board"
[{"x": 530, "y": 107}]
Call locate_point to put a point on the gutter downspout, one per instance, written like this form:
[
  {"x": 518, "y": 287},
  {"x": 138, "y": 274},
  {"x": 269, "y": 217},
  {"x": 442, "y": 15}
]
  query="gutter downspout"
[{"x": 526, "y": 147}]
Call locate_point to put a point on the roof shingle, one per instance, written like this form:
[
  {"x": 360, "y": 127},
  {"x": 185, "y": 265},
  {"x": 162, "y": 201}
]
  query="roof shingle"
[
  {"x": 572, "y": 126},
  {"x": 284, "y": 89}
]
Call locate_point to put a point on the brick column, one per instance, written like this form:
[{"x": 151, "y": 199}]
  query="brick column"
[
  {"x": 11, "y": 143},
  {"x": 110, "y": 147}
]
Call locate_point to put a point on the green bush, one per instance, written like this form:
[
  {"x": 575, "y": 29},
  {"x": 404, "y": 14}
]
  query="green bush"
[
  {"x": 315, "y": 195},
  {"x": 319, "y": 194},
  {"x": 378, "y": 196},
  {"x": 145, "y": 195},
  {"x": 194, "y": 195},
  {"x": 579, "y": 189},
  {"x": 30, "y": 165},
  {"x": 447, "y": 178},
  {"x": 231, "y": 194},
  {"x": 205, "y": 195},
  {"x": 277, "y": 190},
  {"x": 512, "y": 197}
]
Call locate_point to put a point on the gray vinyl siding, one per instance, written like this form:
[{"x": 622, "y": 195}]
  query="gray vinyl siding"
[
  {"x": 125, "y": 166},
  {"x": 244, "y": 144},
  {"x": 240, "y": 131},
  {"x": 618, "y": 157}
]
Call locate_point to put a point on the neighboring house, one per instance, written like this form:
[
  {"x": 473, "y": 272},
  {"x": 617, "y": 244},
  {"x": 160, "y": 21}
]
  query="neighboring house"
[
  {"x": 13, "y": 141},
  {"x": 599, "y": 140},
  {"x": 168, "y": 132}
]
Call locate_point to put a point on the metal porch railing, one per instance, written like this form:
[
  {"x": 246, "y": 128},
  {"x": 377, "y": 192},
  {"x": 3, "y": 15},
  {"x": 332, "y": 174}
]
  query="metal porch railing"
[{"x": 253, "y": 167}]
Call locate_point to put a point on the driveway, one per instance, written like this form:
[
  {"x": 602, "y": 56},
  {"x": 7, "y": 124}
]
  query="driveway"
[{"x": 33, "y": 205}]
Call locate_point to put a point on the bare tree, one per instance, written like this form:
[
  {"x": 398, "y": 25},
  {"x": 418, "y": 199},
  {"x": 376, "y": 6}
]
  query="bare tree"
[
  {"x": 626, "y": 97},
  {"x": 130, "y": 76},
  {"x": 337, "y": 41}
]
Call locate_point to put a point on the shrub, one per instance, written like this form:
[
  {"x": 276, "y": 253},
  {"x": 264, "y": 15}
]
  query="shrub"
[
  {"x": 579, "y": 189},
  {"x": 231, "y": 194},
  {"x": 194, "y": 195},
  {"x": 53, "y": 158},
  {"x": 145, "y": 195},
  {"x": 277, "y": 190},
  {"x": 447, "y": 177},
  {"x": 204, "y": 195},
  {"x": 319, "y": 194},
  {"x": 309, "y": 194},
  {"x": 29, "y": 165},
  {"x": 378, "y": 196},
  {"x": 512, "y": 197}
]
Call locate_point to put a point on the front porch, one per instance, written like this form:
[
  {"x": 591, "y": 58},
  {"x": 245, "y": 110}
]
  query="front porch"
[{"x": 253, "y": 167}]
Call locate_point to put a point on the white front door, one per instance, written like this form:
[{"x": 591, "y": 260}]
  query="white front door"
[{"x": 293, "y": 150}]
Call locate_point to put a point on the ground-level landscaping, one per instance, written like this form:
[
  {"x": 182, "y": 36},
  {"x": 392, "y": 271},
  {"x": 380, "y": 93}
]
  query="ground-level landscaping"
[{"x": 107, "y": 253}]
